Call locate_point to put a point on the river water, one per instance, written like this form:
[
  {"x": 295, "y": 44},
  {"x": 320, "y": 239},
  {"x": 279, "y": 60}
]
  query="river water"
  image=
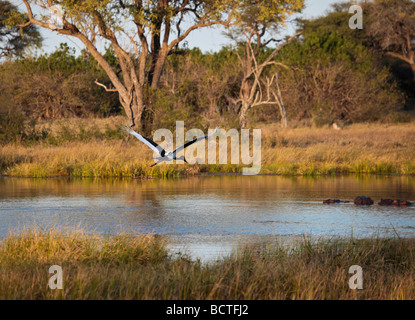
[{"x": 209, "y": 216}]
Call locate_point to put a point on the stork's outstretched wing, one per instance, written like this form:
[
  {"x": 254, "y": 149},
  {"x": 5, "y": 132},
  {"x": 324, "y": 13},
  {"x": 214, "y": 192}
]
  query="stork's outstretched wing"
[
  {"x": 191, "y": 142},
  {"x": 150, "y": 143}
]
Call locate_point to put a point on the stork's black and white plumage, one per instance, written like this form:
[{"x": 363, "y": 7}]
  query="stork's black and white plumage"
[{"x": 165, "y": 155}]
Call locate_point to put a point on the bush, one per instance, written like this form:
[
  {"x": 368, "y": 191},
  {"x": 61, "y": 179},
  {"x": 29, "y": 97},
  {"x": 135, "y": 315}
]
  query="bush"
[
  {"x": 56, "y": 85},
  {"x": 336, "y": 79},
  {"x": 14, "y": 128},
  {"x": 11, "y": 127}
]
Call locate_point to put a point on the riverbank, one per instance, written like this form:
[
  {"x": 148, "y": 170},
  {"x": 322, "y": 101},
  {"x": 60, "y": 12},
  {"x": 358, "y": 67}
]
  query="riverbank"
[
  {"x": 139, "y": 267},
  {"x": 91, "y": 149}
]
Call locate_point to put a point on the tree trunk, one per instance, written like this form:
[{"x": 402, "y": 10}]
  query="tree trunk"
[
  {"x": 278, "y": 98},
  {"x": 243, "y": 113},
  {"x": 284, "y": 122},
  {"x": 245, "y": 92},
  {"x": 147, "y": 118},
  {"x": 157, "y": 68},
  {"x": 133, "y": 104}
]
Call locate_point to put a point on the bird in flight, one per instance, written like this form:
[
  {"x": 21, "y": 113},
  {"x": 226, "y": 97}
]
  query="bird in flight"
[{"x": 165, "y": 155}]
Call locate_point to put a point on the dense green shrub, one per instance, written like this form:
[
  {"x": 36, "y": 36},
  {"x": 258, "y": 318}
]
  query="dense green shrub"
[{"x": 336, "y": 79}]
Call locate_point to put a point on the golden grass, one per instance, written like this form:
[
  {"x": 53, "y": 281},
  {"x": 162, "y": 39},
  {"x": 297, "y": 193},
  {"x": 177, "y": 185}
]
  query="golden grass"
[
  {"x": 139, "y": 267},
  {"x": 368, "y": 148},
  {"x": 79, "y": 159}
]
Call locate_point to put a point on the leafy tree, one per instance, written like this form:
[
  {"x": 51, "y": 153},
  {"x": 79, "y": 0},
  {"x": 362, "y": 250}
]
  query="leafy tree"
[
  {"x": 393, "y": 28},
  {"x": 388, "y": 32},
  {"x": 13, "y": 40},
  {"x": 336, "y": 78},
  {"x": 142, "y": 34}
]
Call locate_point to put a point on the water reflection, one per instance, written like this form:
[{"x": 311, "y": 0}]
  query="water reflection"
[{"x": 210, "y": 214}]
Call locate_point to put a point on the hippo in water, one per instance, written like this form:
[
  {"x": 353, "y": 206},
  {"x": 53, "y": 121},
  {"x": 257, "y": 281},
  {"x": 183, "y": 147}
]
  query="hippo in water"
[
  {"x": 363, "y": 201},
  {"x": 395, "y": 202},
  {"x": 331, "y": 201}
]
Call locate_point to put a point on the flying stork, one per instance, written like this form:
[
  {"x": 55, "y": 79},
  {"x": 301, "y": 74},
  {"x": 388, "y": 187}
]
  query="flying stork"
[{"x": 165, "y": 155}]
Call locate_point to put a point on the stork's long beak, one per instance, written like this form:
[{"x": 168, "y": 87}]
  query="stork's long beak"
[{"x": 154, "y": 164}]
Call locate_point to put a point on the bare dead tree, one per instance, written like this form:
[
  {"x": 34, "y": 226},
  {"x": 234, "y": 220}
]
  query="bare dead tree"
[{"x": 257, "y": 89}]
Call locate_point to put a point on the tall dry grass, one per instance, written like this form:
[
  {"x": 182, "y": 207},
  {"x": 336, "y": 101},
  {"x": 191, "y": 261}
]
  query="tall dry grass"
[
  {"x": 139, "y": 267},
  {"x": 368, "y": 148},
  {"x": 359, "y": 148},
  {"x": 79, "y": 159}
]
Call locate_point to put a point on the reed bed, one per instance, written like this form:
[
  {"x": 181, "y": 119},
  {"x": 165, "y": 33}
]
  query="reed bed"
[
  {"x": 80, "y": 159},
  {"x": 369, "y": 148},
  {"x": 140, "y": 267}
]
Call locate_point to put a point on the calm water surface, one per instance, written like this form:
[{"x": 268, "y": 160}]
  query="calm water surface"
[{"x": 209, "y": 216}]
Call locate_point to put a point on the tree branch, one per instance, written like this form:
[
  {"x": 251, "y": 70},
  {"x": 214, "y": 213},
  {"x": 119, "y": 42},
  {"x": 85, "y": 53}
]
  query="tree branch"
[
  {"x": 398, "y": 56},
  {"x": 202, "y": 24},
  {"x": 105, "y": 87}
]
